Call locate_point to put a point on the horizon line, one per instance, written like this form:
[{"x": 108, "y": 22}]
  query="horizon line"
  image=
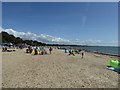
[{"x": 60, "y": 1}]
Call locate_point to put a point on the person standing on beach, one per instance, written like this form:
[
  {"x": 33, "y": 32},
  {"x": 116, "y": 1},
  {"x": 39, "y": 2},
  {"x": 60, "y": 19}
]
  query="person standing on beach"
[
  {"x": 50, "y": 49},
  {"x": 82, "y": 54}
]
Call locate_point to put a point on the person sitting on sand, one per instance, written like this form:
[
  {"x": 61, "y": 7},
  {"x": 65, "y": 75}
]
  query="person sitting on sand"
[
  {"x": 76, "y": 51},
  {"x": 45, "y": 51},
  {"x": 42, "y": 53},
  {"x": 5, "y": 48},
  {"x": 71, "y": 52},
  {"x": 20, "y": 47},
  {"x": 36, "y": 53},
  {"x": 27, "y": 50}
]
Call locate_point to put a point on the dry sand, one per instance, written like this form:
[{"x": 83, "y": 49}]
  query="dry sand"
[{"x": 58, "y": 70}]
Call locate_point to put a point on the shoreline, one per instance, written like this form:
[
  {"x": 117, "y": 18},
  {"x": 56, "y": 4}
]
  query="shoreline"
[
  {"x": 104, "y": 54},
  {"x": 101, "y": 53},
  {"x": 96, "y": 52}
]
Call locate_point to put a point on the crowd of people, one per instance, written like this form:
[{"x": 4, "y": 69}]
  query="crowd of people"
[
  {"x": 74, "y": 51},
  {"x": 38, "y": 50},
  {"x": 41, "y": 50}
]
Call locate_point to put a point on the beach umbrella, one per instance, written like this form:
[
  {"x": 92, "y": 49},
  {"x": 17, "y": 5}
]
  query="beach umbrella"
[
  {"x": 66, "y": 51},
  {"x": 33, "y": 51}
]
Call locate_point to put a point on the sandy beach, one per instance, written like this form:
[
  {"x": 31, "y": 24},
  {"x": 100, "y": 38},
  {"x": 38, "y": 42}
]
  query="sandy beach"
[{"x": 58, "y": 70}]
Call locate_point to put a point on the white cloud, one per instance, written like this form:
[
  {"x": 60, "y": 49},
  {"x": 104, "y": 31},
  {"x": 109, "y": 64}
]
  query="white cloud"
[
  {"x": 114, "y": 42},
  {"x": 51, "y": 39},
  {"x": 31, "y": 36},
  {"x": 86, "y": 42}
]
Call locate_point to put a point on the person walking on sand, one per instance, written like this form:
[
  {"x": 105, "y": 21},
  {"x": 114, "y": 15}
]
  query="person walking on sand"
[
  {"x": 82, "y": 54},
  {"x": 50, "y": 49}
]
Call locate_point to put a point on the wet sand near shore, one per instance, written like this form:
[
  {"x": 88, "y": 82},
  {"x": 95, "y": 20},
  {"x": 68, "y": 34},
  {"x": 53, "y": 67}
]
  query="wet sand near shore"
[{"x": 58, "y": 70}]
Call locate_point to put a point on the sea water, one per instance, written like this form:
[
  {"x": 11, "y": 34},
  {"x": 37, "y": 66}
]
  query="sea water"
[
  {"x": 102, "y": 49},
  {"x": 107, "y": 50}
]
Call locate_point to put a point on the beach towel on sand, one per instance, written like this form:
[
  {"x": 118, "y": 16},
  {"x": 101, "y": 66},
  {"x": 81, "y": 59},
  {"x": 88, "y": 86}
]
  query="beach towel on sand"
[
  {"x": 113, "y": 69},
  {"x": 8, "y": 50},
  {"x": 114, "y": 66}
]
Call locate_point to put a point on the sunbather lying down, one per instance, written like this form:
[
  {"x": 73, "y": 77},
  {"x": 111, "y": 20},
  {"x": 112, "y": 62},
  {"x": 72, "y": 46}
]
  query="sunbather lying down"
[{"x": 8, "y": 50}]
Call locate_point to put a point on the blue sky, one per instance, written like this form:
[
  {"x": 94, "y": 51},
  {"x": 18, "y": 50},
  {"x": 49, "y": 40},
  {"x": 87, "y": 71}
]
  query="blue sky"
[{"x": 76, "y": 22}]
